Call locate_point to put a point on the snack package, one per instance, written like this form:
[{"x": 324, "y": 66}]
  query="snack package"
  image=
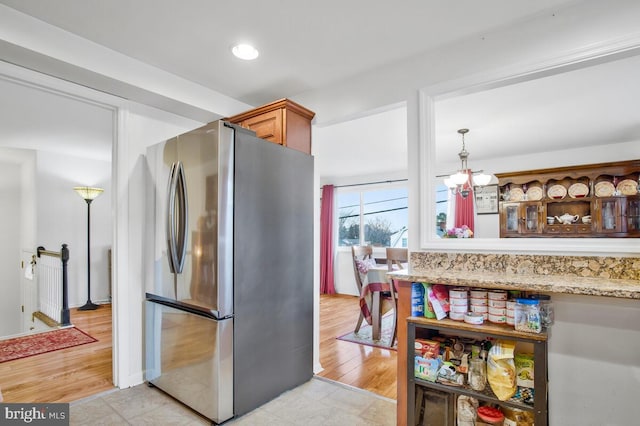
[
  {"x": 524, "y": 370},
  {"x": 448, "y": 375},
  {"x": 417, "y": 300},
  {"x": 428, "y": 309},
  {"x": 461, "y": 362},
  {"x": 434, "y": 303},
  {"x": 427, "y": 348},
  {"x": 441, "y": 292},
  {"x": 525, "y": 395},
  {"x": 501, "y": 369},
  {"x": 516, "y": 417},
  {"x": 426, "y": 369},
  {"x": 466, "y": 412}
]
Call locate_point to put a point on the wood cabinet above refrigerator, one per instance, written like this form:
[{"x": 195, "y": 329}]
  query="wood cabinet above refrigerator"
[{"x": 283, "y": 122}]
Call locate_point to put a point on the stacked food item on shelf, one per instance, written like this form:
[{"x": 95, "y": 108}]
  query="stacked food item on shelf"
[{"x": 529, "y": 313}]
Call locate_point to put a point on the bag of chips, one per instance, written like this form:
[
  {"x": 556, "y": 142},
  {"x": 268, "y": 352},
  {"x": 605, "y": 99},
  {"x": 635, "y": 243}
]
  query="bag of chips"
[{"x": 501, "y": 370}]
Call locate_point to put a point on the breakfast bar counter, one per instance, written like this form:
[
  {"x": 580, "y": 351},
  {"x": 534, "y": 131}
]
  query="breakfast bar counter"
[{"x": 592, "y": 286}]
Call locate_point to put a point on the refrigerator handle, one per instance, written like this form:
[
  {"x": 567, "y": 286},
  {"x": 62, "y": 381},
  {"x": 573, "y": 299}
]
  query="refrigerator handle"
[
  {"x": 177, "y": 218},
  {"x": 182, "y": 219}
]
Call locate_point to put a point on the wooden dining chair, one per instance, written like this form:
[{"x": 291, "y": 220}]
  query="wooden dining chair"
[
  {"x": 360, "y": 253},
  {"x": 397, "y": 258}
]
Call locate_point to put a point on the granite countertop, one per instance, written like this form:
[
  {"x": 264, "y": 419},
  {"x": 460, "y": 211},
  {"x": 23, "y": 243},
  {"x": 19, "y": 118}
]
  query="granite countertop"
[{"x": 593, "y": 286}]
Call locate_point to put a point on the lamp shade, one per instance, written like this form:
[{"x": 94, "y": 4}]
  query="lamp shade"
[
  {"x": 481, "y": 179},
  {"x": 450, "y": 183},
  {"x": 88, "y": 193},
  {"x": 460, "y": 178}
]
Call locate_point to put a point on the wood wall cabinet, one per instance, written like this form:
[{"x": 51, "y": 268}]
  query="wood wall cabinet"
[
  {"x": 532, "y": 201},
  {"x": 521, "y": 218},
  {"x": 283, "y": 122}
]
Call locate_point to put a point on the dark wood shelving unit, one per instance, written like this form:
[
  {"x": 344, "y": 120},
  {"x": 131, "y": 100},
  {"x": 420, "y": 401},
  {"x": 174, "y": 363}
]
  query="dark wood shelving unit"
[{"x": 449, "y": 393}]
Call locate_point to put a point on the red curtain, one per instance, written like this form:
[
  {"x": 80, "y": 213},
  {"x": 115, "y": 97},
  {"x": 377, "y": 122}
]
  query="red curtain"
[
  {"x": 326, "y": 241},
  {"x": 464, "y": 207}
]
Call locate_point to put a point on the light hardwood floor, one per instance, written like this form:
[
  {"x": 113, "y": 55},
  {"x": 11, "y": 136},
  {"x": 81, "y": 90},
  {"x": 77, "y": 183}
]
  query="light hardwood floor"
[
  {"x": 68, "y": 374},
  {"x": 365, "y": 367},
  {"x": 75, "y": 373}
]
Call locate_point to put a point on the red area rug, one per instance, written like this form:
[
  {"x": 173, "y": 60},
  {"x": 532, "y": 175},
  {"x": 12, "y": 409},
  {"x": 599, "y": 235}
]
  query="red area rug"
[
  {"x": 364, "y": 335},
  {"x": 35, "y": 344}
]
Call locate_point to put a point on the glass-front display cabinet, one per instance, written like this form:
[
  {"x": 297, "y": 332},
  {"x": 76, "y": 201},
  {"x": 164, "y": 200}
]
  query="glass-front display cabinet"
[{"x": 595, "y": 200}]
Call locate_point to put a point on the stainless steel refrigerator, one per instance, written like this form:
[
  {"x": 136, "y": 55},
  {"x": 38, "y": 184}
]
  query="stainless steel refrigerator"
[{"x": 229, "y": 269}]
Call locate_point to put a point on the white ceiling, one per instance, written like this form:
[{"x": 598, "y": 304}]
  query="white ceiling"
[
  {"x": 375, "y": 144},
  {"x": 304, "y": 45},
  {"x": 585, "y": 107},
  {"x": 33, "y": 118}
]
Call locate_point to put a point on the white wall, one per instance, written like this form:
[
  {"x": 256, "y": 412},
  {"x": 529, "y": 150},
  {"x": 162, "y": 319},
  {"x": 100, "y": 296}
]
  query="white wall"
[
  {"x": 138, "y": 127},
  {"x": 581, "y": 25},
  {"x": 344, "y": 278},
  {"x": 62, "y": 219},
  {"x": 17, "y": 220},
  {"x": 594, "y": 361},
  {"x": 10, "y": 283},
  {"x": 373, "y": 147}
]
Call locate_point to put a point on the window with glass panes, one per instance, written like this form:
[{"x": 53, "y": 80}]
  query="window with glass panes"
[{"x": 373, "y": 217}]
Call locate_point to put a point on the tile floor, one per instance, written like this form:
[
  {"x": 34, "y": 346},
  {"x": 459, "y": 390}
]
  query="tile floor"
[{"x": 317, "y": 402}]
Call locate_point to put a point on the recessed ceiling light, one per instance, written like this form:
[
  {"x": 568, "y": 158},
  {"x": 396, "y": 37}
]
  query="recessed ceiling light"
[{"x": 245, "y": 51}]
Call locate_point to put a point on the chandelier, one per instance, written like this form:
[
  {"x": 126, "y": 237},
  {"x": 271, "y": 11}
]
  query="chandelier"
[{"x": 459, "y": 182}]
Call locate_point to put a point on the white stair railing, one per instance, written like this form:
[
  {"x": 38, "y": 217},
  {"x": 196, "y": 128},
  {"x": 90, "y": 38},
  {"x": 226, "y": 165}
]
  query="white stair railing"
[{"x": 51, "y": 275}]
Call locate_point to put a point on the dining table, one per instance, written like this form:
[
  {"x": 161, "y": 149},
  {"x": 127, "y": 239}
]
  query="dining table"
[{"x": 373, "y": 287}]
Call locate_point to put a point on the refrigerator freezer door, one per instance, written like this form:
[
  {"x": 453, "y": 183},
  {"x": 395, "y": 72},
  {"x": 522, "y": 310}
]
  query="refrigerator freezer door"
[{"x": 190, "y": 357}]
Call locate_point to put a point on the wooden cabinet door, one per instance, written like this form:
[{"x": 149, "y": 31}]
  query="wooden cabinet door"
[
  {"x": 267, "y": 126},
  {"x": 509, "y": 219},
  {"x": 519, "y": 219},
  {"x": 631, "y": 215},
  {"x": 608, "y": 218},
  {"x": 532, "y": 218}
]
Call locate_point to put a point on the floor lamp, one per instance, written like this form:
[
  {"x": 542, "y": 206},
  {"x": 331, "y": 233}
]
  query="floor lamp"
[{"x": 88, "y": 194}]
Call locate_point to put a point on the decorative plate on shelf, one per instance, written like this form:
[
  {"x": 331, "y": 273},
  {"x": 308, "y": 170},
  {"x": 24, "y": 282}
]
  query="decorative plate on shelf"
[
  {"x": 578, "y": 190},
  {"x": 627, "y": 187},
  {"x": 516, "y": 194},
  {"x": 604, "y": 189},
  {"x": 534, "y": 193},
  {"x": 557, "y": 192}
]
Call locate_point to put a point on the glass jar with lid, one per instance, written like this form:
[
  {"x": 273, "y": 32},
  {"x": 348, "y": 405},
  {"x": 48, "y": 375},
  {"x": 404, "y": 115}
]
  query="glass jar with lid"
[{"x": 546, "y": 308}]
